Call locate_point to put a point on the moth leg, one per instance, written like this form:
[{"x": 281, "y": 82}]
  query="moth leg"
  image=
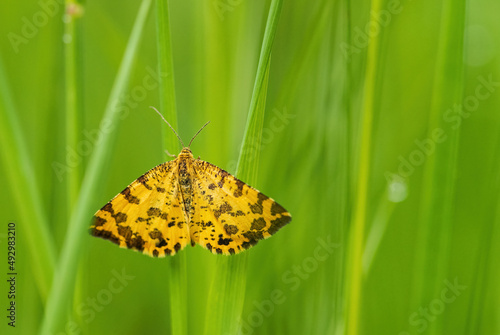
[{"x": 169, "y": 154}]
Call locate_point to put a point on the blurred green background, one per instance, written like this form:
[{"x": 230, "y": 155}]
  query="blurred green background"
[{"x": 381, "y": 136}]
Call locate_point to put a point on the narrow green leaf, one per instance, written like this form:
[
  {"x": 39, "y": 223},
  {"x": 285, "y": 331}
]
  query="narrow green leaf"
[
  {"x": 358, "y": 227},
  {"x": 73, "y": 75},
  {"x": 77, "y": 235},
  {"x": 176, "y": 273},
  {"x": 73, "y": 94},
  {"x": 438, "y": 196},
  {"x": 167, "y": 83},
  {"x": 25, "y": 191},
  {"x": 227, "y": 292}
]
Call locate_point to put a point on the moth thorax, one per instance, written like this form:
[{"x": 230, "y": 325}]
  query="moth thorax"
[
  {"x": 186, "y": 153},
  {"x": 185, "y": 182}
]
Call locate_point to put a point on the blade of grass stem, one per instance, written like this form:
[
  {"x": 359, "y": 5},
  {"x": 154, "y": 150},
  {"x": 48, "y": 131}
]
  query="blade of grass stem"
[
  {"x": 338, "y": 123},
  {"x": 216, "y": 58},
  {"x": 25, "y": 191},
  {"x": 486, "y": 259},
  {"x": 73, "y": 92},
  {"x": 340, "y": 296},
  {"x": 357, "y": 234},
  {"x": 176, "y": 273},
  {"x": 167, "y": 83},
  {"x": 247, "y": 154},
  {"x": 482, "y": 269},
  {"x": 227, "y": 292},
  {"x": 228, "y": 286},
  {"x": 73, "y": 107},
  {"x": 76, "y": 236},
  {"x": 437, "y": 197},
  {"x": 305, "y": 54}
]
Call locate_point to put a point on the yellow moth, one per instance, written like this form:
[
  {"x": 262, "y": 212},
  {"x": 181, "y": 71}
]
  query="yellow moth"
[{"x": 184, "y": 201}]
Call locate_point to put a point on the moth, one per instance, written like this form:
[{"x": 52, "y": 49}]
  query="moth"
[{"x": 188, "y": 201}]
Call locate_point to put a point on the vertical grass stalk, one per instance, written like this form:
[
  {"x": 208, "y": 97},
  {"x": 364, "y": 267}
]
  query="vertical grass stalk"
[
  {"x": 227, "y": 292},
  {"x": 436, "y": 208},
  {"x": 24, "y": 187},
  {"x": 73, "y": 93},
  {"x": 486, "y": 261},
  {"x": 341, "y": 315},
  {"x": 337, "y": 169},
  {"x": 73, "y": 104},
  {"x": 168, "y": 104},
  {"x": 177, "y": 280},
  {"x": 61, "y": 293},
  {"x": 357, "y": 237}
]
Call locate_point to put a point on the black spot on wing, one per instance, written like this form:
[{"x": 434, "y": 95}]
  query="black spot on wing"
[
  {"x": 108, "y": 208},
  {"x": 126, "y": 232},
  {"x": 253, "y": 235},
  {"x": 143, "y": 179},
  {"x": 224, "y": 208},
  {"x": 248, "y": 244},
  {"x": 279, "y": 223},
  {"x": 129, "y": 197},
  {"x": 136, "y": 243},
  {"x": 239, "y": 190},
  {"x": 120, "y": 217},
  {"x": 224, "y": 241},
  {"x": 258, "y": 224},
  {"x": 153, "y": 211},
  {"x": 230, "y": 229},
  {"x": 105, "y": 234},
  {"x": 277, "y": 209},
  {"x": 157, "y": 235},
  {"x": 223, "y": 175},
  {"x": 256, "y": 208},
  {"x": 98, "y": 221}
]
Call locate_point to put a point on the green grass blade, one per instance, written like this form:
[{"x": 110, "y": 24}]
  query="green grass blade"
[
  {"x": 76, "y": 236},
  {"x": 24, "y": 187},
  {"x": 252, "y": 131},
  {"x": 436, "y": 209},
  {"x": 486, "y": 260},
  {"x": 167, "y": 83},
  {"x": 359, "y": 219},
  {"x": 73, "y": 73},
  {"x": 339, "y": 321},
  {"x": 73, "y": 94},
  {"x": 227, "y": 292},
  {"x": 176, "y": 273}
]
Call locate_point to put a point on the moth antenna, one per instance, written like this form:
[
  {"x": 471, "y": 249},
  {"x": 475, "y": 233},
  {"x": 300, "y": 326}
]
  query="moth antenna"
[
  {"x": 169, "y": 126},
  {"x": 198, "y": 133}
]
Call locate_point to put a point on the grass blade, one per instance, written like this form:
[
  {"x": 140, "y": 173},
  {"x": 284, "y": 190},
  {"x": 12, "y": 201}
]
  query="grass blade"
[
  {"x": 176, "y": 273},
  {"x": 438, "y": 196},
  {"x": 76, "y": 234},
  {"x": 227, "y": 291},
  {"x": 167, "y": 83},
  {"x": 24, "y": 186},
  {"x": 74, "y": 88},
  {"x": 359, "y": 219}
]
